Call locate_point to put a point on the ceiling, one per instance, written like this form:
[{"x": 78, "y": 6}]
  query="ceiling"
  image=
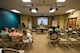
[{"x": 42, "y": 5}]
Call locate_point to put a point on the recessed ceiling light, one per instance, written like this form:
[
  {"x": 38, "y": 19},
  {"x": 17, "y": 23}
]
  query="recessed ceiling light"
[
  {"x": 26, "y": 0},
  {"x": 71, "y": 10},
  {"x": 16, "y": 11},
  {"x": 52, "y": 11},
  {"x": 33, "y": 10},
  {"x": 60, "y": 0}
]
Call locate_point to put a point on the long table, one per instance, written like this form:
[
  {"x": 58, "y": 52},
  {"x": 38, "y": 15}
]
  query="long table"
[{"x": 41, "y": 29}]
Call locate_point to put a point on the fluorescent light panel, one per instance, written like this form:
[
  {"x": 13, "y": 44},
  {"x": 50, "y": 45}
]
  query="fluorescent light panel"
[
  {"x": 52, "y": 11},
  {"x": 71, "y": 10},
  {"x": 33, "y": 10},
  {"x": 26, "y": 0},
  {"x": 60, "y": 0},
  {"x": 16, "y": 11}
]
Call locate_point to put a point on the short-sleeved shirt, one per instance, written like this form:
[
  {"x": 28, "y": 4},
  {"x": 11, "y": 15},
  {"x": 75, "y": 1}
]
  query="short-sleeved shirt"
[
  {"x": 57, "y": 29},
  {"x": 29, "y": 35},
  {"x": 3, "y": 33},
  {"x": 15, "y": 34}
]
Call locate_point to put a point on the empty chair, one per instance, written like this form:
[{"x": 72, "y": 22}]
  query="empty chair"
[
  {"x": 69, "y": 33},
  {"x": 74, "y": 37},
  {"x": 50, "y": 31},
  {"x": 63, "y": 38},
  {"x": 78, "y": 34},
  {"x": 54, "y": 38}
]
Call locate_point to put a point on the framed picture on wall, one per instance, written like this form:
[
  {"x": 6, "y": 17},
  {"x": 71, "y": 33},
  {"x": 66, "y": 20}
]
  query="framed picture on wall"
[
  {"x": 72, "y": 22},
  {"x": 54, "y": 23}
]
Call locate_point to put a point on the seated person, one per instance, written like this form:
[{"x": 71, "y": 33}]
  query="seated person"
[
  {"x": 66, "y": 30},
  {"x": 15, "y": 33},
  {"x": 77, "y": 28},
  {"x": 57, "y": 29},
  {"x": 4, "y": 31},
  {"x": 70, "y": 29},
  {"x": 5, "y": 34},
  {"x": 27, "y": 37},
  {"x": 30, "y": 37}
]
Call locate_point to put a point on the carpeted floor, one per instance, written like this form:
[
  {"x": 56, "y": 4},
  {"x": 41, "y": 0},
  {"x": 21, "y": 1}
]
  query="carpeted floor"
[{"x": 43, "y": 45}]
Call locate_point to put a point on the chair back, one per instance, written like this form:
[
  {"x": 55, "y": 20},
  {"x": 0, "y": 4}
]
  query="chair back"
[
  {"x": 54, "y": 36},
  {"x": 9, "y": 50},
  {"x": 63, "y": 35},
  {"x": 15, "y": 38},
  {"x": 24, "y": 37},
  {"x": 75, "y": 35},
  {"x": 6, "y": 38}
]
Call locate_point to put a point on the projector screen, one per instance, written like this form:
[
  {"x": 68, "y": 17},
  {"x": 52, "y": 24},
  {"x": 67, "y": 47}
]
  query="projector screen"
[{"x": 42, "y": 20}]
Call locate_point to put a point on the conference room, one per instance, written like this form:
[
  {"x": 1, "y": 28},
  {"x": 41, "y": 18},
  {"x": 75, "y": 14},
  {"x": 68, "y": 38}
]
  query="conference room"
[{"x": 39, "y": 26}]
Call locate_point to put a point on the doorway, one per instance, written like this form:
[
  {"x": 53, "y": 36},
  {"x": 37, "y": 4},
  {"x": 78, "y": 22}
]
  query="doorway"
[{"x": 72, "y": 22}]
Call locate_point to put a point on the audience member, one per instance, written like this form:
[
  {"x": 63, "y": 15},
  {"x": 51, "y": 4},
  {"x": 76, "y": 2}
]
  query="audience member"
[
  {"x": 14, "y": 33},
  {"x": 57, "y": 29},
  {"x": 27, "y": 37},
  {"x": 30, "y": 36},
  {"x": 70, "y": 28},
  {"x": 4, "y": 31},
  {"x": 5, "y": 34},
  {"x": 77, "y": 28}
]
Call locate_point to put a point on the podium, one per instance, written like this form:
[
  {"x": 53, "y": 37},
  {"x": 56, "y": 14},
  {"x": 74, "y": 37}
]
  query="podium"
[{"x": 41, "y": 26}]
